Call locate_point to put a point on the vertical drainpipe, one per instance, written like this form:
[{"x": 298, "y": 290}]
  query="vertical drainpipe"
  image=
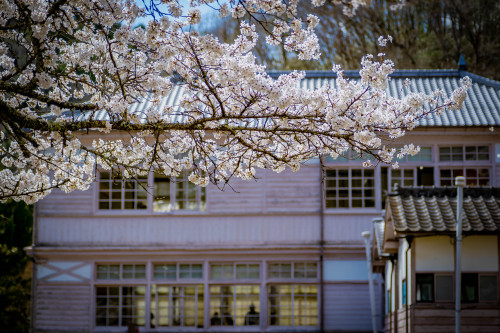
[
  {"x": 409, "y": 239},
  {"x": 321, "y": 245},
  {"x": 367, "y": 236},
  {"x": 459, "y": 183},
  {"x": 34, "y": 268}
]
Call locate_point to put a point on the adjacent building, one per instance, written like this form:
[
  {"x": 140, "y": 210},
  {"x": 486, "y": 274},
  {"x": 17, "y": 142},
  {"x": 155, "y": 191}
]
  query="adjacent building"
[
  {"x": 417, "y": 241},
  {"x": 281, "y": 253}
]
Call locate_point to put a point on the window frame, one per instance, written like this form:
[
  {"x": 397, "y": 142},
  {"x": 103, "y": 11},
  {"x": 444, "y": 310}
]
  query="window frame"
[
  {"x": 463, "y": 169},
  {"x": 201, "y": 199},
  {"x": 350, "y": 178},
  {"x": 293, "y": 269},
  {"x": 174, "y": 187},
  {"x": 478, "y": 299},
  {"x": 155, "y": 309},
  {"x": 234, "y": 275},
  {"x": 292, "y": 296},
  {"x": 120, "y": 306},
  {"x": 463, "y": 153},
  {"x": 178, "y": 272},
  {"x": 123, "y": 191},
  {"x": 233, "y": 315},
  {"x": 120, "y": 279}
]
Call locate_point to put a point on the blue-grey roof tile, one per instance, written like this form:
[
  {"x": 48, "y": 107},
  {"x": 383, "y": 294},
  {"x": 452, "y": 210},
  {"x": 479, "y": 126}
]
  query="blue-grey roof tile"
[{"x": 481, "y": 107}]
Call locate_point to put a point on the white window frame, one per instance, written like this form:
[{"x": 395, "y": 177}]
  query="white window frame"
[
  {"x": 140, "y": 186},
  {"x": 178, "y": 271},
  {"x": 120, "y": 305},
  {"x": 465, "y": 153},
  {"x": 294, "y": 300},
  {"x": 463, "y": 171},
  {"x": 350, "y": 178},
  {"x": 148, "y": 188},
  {"x": 293, "y": 270},
  {"x": 236, "y": 313},
  {"x": 121, "y": 271},
  {"x": 181, "y": 297},
  {"x": 249, "y": 268},
  {"x": 181, "y": 184}
]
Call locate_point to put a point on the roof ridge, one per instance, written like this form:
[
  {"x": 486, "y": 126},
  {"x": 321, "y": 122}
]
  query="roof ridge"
[{"x": 351, "y": 73}]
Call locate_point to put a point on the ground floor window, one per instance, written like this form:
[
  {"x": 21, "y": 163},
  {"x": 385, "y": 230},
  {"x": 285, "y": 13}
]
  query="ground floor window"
[
  {"x": 293, "y": 305},
  {"x": 176, "y": 306},
  {"x": 120, "y": 306},
  {"x": 178, "y": 296},
  {"x": 234, "y": 305},
  {"x": 475, "y": 287}
]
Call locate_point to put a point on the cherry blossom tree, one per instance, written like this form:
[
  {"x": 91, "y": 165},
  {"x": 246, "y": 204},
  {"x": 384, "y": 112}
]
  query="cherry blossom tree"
[{"x": 70, "y": 69}]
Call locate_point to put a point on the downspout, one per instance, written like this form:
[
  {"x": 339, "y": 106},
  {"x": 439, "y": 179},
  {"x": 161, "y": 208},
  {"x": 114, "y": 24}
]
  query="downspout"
[
  {"x": 409, "y": 239},
  {"x": 321, "y": 246},
  {"x": 367, "y": 236},
  {"x": 459, "y": 182},
  {"x": 396, "y": 296},
  {"x": 392, "y": 294}
]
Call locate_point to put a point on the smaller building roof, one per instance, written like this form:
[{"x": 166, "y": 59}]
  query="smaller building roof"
[{"x": 433, "y": 210}]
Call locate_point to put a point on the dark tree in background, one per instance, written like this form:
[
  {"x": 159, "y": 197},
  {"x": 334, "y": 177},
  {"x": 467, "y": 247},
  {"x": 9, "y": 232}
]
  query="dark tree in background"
[
  {"x": 428, "y": 34},
  {"x": 16, "y": 220}
]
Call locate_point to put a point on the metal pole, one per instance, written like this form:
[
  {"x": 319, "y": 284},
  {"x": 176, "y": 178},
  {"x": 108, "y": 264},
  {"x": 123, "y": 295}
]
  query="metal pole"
[
  {"x": 366, "y": 235},
  {"x": 459, "y": 183}
]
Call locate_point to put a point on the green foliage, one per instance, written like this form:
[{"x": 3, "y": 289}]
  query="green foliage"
[
  {"x": 16, "y": 220},
  {"x": 428, "y": 34}
]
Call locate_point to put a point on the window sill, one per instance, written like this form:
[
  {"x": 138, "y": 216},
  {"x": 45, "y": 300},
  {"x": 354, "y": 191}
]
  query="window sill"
[
  {"x": 352, "y": 211},
  {"x": 146, "y": 212}
]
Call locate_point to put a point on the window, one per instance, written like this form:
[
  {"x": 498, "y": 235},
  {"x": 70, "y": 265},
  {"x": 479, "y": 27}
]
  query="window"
[
  {"x": 235, "y": 271},
  {"x": 293, "y": 270},
  {"x": 464, "y": 153},
  {"x": 293, "y": 305},
  {"x": 475, "y": 287},
  {"x": 444, "y": 288},
  {"x": 116, "y": 193},
  {"x": 177, "y": 193},
  {"x": 168, "y": 193},
  {"x": 404, "y": 296},
  {"x": 177, "y": 271},
  {"x": 473, "y": 176},
  {"x": 425, "y": 287},
  {"x": 121, "y": 271},
  {"x": 236, "y": 305},
  {"x": 350, "y": 188},
  {"x": 177, "y": 306},
  {"x": 120, "y": 306}
]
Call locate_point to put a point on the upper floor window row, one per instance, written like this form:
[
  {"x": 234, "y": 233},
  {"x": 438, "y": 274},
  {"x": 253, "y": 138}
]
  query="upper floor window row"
[
  {"x": 165, "y": 194},
  {"x": 446, "y": 154},
  {"x": 464, "y": 153}
]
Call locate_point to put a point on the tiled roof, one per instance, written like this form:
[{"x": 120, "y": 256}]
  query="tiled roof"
[
  {"x": 481, "y": 108},
  {"x": 435, "y": 211}
]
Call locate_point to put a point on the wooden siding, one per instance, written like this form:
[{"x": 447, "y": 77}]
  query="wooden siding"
[
  {"x": 59, "y": 203},
  {"x": 186, "y": 232},
  {"x": 269, "y": 193},
  {"x": 201, "y": 230},
  {"x": 347, "y": 307},
  {"x": 62, "y": 308},
  {"x": 443, "y": 320}
]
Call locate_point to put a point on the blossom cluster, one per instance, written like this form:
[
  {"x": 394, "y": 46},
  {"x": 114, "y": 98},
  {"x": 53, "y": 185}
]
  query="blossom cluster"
[{"x": 70, "y": 71}]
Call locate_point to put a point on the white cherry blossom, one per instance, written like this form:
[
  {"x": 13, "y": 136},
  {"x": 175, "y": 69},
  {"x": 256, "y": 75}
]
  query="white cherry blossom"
[{"x": 71, "y": 69}]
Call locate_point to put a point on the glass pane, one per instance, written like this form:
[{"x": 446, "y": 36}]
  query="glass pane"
[
  {"x": 254, "y": 271},
  {"x": 469, "y": 287},
  {"x": 425, "y": 287},
  {"x": 444, "y": 288},
  {"x": 488, "y": 290},
  {"x": 241, "y": 272}
]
